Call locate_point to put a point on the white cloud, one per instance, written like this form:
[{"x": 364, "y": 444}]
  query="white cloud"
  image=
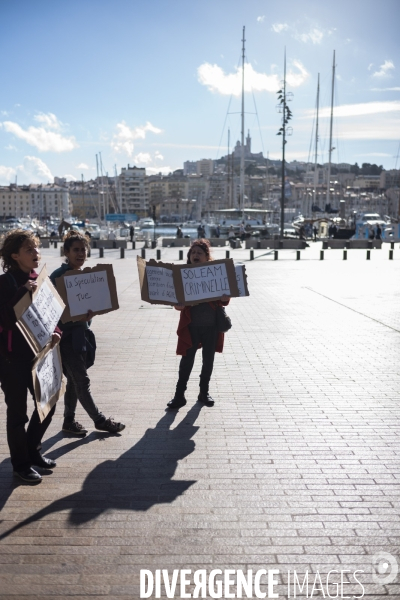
[
  {"x": 156, "y": 170},
  {"x": 278, "y": 27},
  {"x": 143, "y": 157},
  {"x": 123, "y": 140},
  {"x": 393, "y": 89},
  {"x": 83, "y": 166},
  {"x": 147, "y": 159},
  {"x": 378, "y": 127},
  {"x": 40, "y": 137},
  {"x": 261, "y": 19},
  {"x": 216, "y": 80},
  {"x": 370, "y": 66},
  {"x": 69, "y": 177},
  {"x": 384, "y": 70},
  {"x": 34, "y": 170},
  {"x": 7, "y": 175},
  {"x": 368, "y": 121},
  {"x": 354, "y": 110},
  {"x": 10, "y": 147},
  {"x": 314, "y": 35},
  {"x": 373, "y": 154},
  {"x": 49, "y": 120}
]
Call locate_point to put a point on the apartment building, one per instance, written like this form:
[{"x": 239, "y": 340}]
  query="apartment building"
[
  {"x": 205, "y": 167},
  {"x": 14, "y": 201},
  {"x": 190, "y": 167},
  {"x": 35, "y": 200},
  {"x": 133, "y": 190},
  {"x": 389, "y": 179}
]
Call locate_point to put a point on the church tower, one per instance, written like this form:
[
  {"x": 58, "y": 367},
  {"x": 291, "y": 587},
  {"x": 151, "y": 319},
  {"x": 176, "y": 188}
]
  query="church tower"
[{"x": 247, "y": 151}]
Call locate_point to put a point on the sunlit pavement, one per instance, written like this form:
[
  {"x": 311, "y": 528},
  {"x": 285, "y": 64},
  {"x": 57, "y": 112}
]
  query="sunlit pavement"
[{"x": 294, "y": 468}]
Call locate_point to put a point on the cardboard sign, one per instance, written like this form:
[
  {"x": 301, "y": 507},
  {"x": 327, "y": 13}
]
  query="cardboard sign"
[
  {"x": 241, "y": 279},
  {"x": 167, "y": 283},
  {"x": 90, "y": 289},
  {"x": 48, "y": 380},
  {"x": 160, "y": 283},
  {"x": 38, "y": 314}
]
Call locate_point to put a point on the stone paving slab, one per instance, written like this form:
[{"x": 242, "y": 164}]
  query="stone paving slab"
[{"x": 296, "y": 467}]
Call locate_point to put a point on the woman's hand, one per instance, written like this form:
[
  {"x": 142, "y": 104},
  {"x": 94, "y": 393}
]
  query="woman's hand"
[
  {"x": 55, "y": 338},
  {"x": 31, "y": 285},
  {"x": 179, "y": 306},
  {"x": 88, "y": 317},
  {"x": 225, "y": 298}
]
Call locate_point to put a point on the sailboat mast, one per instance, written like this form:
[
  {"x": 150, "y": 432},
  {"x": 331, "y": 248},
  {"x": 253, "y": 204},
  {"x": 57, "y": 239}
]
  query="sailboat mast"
[
  {"x": 242, "y": 136},
  {"x": 283, "y": 149},
  {"x": 98, "y": 188},
  {"x": 328, "y": 186},
  {"x": 316, "y": 148},
  {"x": 229, "y": 173}
]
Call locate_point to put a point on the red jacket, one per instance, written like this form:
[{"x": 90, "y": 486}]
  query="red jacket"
[{"x": 183, "y": 331}]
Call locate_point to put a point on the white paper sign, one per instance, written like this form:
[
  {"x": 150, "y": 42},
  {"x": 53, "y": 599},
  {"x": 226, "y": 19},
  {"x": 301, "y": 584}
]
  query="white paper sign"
[
  {"x": 43, "y": 315},
  {"x": 205, "y": 282},
  {"x": 160, "y": 283},
  {"x": 240, "y": 279},
  {"x": 88, "y": 291},
  {"x": 49, "y": 374}
]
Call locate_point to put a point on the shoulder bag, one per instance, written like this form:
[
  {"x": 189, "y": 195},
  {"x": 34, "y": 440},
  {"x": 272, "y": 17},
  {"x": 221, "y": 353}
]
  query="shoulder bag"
[{"x": 224, "y": 323}]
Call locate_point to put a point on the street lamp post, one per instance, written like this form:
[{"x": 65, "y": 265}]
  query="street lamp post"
[{"x": 283, "y": 98}]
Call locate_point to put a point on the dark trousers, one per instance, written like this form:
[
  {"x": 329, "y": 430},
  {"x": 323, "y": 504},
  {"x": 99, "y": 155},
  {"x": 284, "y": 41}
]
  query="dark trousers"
[
  {"x": 16, "y": 381},
  {"x": 207, "y": 336},
  {"x": 78, "y": 383}
]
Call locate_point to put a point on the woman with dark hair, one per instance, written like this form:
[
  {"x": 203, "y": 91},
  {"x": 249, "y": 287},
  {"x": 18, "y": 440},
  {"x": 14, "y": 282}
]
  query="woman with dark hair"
[
  {"x": 76, "y": 342},
  {"x": 20, "y": 256},
  {"x": 197, "y": 328}
]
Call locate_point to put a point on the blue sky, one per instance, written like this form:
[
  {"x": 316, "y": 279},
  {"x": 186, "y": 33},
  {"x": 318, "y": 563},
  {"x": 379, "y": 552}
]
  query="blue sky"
[{"x": 149, "y": 83}]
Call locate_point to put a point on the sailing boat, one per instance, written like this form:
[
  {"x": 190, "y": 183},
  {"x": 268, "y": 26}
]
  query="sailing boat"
[{"x": 254, "y": 219}]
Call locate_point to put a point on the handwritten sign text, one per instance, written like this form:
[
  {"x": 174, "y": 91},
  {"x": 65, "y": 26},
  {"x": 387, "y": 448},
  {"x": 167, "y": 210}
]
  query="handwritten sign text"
[
  {"x": 208, "y": 281},
  {"x": 160, "y": 282},
  {"x": 43, "y": 315},
  {"x": 89, "y": 291}
]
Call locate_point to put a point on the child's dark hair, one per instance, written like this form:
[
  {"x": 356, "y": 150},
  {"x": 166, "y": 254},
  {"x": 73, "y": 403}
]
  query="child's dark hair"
[
  {"x": 12, "y": 243},
  {"x": 204, "y": 245},
  {"x": 74, "y": 236}
]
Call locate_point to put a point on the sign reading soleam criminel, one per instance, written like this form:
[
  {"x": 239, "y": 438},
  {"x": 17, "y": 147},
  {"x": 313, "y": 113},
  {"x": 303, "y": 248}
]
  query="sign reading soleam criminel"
[{"x": 166, "y": 283}]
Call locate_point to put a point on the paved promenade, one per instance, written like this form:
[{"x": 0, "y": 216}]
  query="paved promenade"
[{"x": 295, "y": 468}]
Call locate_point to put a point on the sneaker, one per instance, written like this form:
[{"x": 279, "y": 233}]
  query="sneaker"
[
  {"x": 205, "y": 399},
  {"x": 109, "y": 425},
  {"x": 74, "y": 428},
  {"x": 29, "y": 476},
  {"x": 177, "y": 402}
]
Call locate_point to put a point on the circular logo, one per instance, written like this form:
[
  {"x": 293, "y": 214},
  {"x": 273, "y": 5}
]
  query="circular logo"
[{"x": 384, "y": 568}]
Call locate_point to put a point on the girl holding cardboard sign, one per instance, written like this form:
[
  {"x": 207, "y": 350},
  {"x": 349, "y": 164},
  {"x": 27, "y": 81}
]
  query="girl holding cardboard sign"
[
  {"x": 197, "y": 328},
  {"x": 77, "y": 350},
  {"x": 20, "y": 257}
]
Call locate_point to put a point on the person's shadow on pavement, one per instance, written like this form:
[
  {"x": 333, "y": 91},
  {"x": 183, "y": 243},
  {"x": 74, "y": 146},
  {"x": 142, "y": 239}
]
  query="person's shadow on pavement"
[{"x": 138, "y": 479}]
